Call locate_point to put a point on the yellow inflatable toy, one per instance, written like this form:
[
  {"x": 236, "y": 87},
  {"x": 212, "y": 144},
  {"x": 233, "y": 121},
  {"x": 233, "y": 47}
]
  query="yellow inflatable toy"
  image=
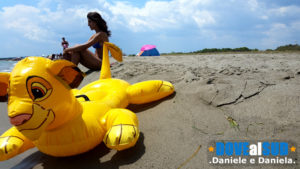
[{"x": 48, "y": 113}]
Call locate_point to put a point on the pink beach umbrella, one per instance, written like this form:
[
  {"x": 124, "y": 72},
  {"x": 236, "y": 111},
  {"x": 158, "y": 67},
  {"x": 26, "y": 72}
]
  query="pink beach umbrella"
[{"x": 149, "y": 50}]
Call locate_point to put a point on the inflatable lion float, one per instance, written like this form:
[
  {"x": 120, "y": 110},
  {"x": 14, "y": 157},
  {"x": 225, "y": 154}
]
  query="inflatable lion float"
[{"x": 47, "y": 112}]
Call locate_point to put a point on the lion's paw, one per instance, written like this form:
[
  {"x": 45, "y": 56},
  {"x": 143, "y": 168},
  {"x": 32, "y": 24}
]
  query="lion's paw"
[
  {"x": 121, "y": 136},
  {"x": 9, "y": 147}
]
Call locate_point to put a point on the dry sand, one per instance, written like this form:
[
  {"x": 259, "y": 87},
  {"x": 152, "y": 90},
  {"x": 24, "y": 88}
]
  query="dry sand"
[{"x": 261, "y": 92}]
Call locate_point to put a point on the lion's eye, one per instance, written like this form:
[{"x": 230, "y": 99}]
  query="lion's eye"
[
  {"x": 38, "y": 92},
  {"x": 38, "y": 88}
]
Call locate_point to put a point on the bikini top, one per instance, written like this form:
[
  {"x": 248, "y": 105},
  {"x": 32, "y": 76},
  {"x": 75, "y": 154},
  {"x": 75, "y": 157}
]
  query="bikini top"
[{"x": 97, "y": 45}]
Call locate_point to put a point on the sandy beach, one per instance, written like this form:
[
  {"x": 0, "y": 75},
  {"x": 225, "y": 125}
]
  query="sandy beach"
[{"x": 259, "y": 92}]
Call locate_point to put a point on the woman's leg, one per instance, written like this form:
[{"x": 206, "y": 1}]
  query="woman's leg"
[
  {"x": 75, "y": 58},
  {"x": 67, "y": 56},
  {"x": 87, "y": 59}
]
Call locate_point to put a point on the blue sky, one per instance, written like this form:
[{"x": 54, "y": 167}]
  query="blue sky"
[{"x": 35, "y": 27}]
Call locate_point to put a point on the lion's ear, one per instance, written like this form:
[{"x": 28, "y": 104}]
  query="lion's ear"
[
  {"x": 67, "y": 71},
  {"x": 4, "y": 81},
  {"x": 115, "y": 51}
]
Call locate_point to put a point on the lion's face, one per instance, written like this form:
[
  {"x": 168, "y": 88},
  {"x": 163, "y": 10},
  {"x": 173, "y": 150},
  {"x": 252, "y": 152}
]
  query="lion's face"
[
  {"x": 39, "y": 100},
  {"x": 26, "y": 105}
]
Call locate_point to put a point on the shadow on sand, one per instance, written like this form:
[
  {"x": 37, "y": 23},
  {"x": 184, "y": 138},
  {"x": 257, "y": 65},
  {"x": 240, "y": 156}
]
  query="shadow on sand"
[
  {"x": 90, "y": 159},
  {"x": 136, "y": 108}
]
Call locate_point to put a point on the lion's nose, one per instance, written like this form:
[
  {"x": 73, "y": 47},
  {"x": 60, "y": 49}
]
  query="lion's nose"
[
  {"x": 19, "y": 119},
  {"x": 17, "y": 107}
]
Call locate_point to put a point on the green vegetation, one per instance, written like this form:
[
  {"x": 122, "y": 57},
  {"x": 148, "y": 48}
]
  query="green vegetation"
[
  {"x": 289, "y": 47},
  {"x": 213, "y": 50}
]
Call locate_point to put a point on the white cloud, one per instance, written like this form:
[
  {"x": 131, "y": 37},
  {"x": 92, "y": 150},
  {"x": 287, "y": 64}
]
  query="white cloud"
[
  {"x": 42, "y": 24},
  {"x": 156, "y": 15},
  {"x": 44, "y": 3},
  {"x": 24, "y": 19},
  {"x": 295, "y": 26},
  {"x": 253, "y": 4},
  {"x": 284, "y": 11},
  {"x": 203, "y": 18},
  {"x": 278, "y": 34}
]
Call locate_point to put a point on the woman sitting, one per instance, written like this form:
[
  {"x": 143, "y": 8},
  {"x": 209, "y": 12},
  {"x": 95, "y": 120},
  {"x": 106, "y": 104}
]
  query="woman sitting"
[{"x": 81, "y": 54}]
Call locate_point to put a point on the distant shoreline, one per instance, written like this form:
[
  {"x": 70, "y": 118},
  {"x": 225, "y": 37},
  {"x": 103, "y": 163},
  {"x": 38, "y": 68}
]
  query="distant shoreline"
[
  {"x": 290, "y": 48},
  {"x": 12, "y": 59}
]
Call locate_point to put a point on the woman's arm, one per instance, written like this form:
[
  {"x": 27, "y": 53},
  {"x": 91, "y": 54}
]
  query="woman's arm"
[{"x": 94, "y": 39}]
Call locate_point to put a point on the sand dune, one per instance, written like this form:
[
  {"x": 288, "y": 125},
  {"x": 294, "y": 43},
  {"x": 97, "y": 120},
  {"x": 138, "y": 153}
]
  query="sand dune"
[{"x": 260, "y": 92}]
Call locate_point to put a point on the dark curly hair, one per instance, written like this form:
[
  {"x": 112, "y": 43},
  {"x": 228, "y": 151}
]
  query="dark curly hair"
[{"x": 101, "y": 23}]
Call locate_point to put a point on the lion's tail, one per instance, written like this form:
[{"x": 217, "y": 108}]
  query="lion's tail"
[{"x": 116, "y": 53}]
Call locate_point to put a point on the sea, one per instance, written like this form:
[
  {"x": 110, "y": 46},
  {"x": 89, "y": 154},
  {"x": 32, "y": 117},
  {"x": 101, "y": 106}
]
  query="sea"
[{"x": 7, "y": 65}]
